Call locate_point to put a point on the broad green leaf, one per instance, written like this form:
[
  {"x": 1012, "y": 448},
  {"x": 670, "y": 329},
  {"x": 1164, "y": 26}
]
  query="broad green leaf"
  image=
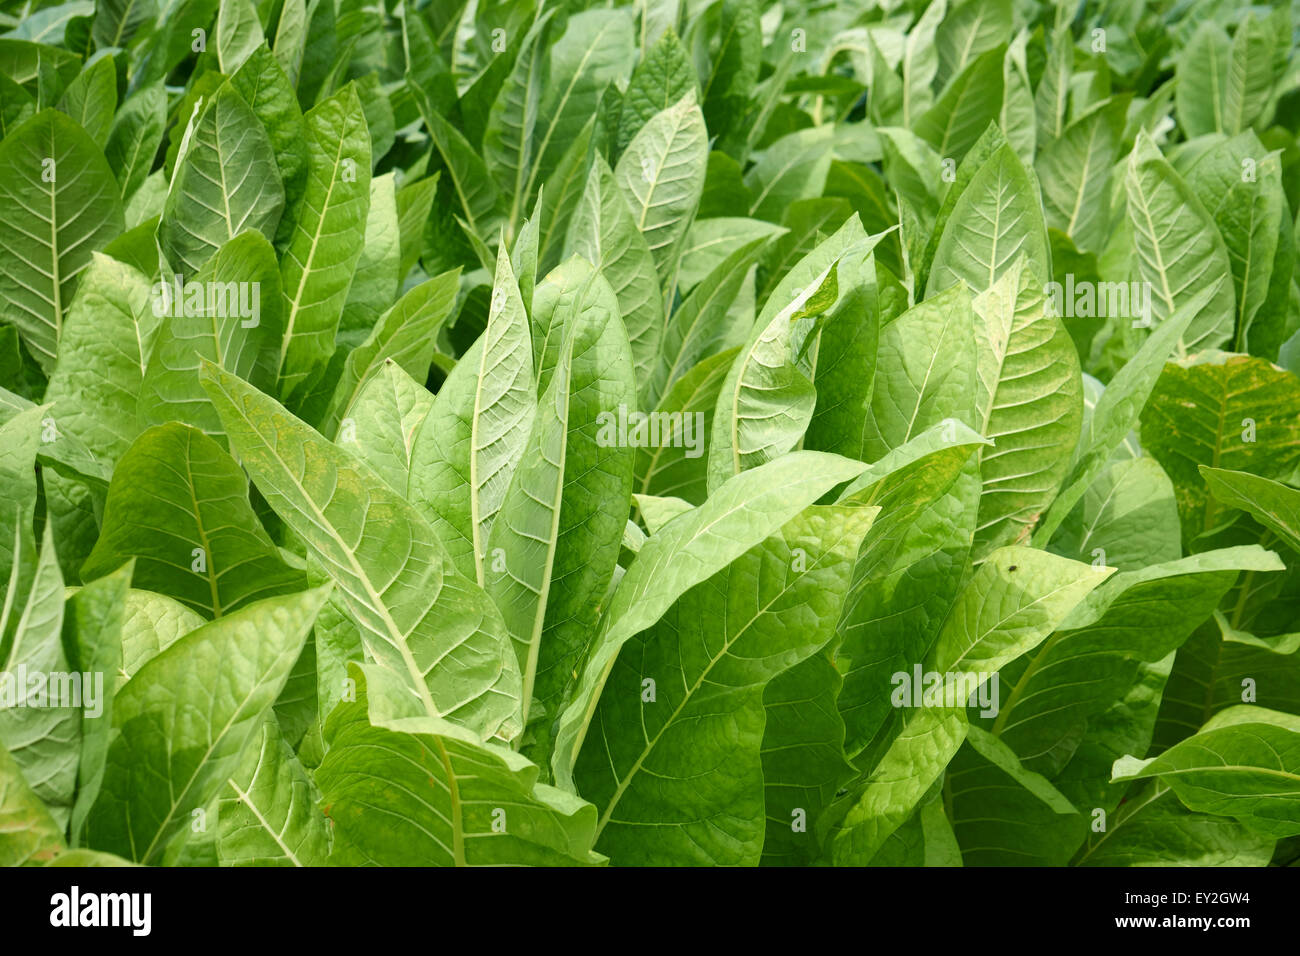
[
  {"x": 661, "y": 174},
  {"x": 269, "y": 814},
  {"x": 41, "y": 695},
  {"x": 766, "y": 402},
  {"x": 64, "y": 204},
  {"x": 434, "y": 628},
  {"x": 1225, "y": 411},
  {"x": 262, "y": 82},
  {"x": 91, "y": 99},
  {"x": 703, "y": 325},
  {"x": 328, "y": 232},
  {"x": 792, "y": 168},
  {"x": 576, "y": 303},
  {"x": 92, "y": 635},
  {"x": 996, "y": 220},
  {"x": 1012, "y": 602},
  {"x": 744, "y": 511},
  {"x": 512, "y": 119},
  {"x": 1179, "y": 250},
  {"x": 604, "y": 233},
  {"x": 469, "y": 445},
  {"x": 382, "y": 422},
  {"x": 678, "y": 465},
  {"x": 803, "y": 756},
  {"x": 239, "y": 33},
  {"x": 420, "y": 791},
  {"x": 1117, "y": 412},
  {"x": 1245, "y": 764},
  {"x": 970, "y": 29},
  {"x": 526, "y": 532},
  {"x": 1092, "y": 660},
  {"x": 920, "y": 61},
  {"x": 661, "y": 78},
  {"x": 1272, "y": 504},
  {"x": 183, "y": 720},
  {"x": 151, "y": 623},
  {"x": 1154, "y": 827},
  {"x": 178, "y": 504},
  {"x": 1075, "y": 171},
  {"x": 28, "y": 834},
  {"x": 1127, "y": 518},
  {"x": 596, "y": 48},
  {"x": 377, "y": 277},
  {"x": 965, "y": 108},
  {"x": 1029, "y": 403},
  {"x": 135, "y": 137},
  {"x": 230, "y": 316},
  {"x": 405, "y": 334},
  {"x": 117, "y": 21},
  {"x": 226, "y": 182},
  {"x": 705, "y": 664},
  {"x": 926, "y": 368}
]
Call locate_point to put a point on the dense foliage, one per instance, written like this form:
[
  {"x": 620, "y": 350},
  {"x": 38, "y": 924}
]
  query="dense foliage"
[{"x": 670, "y": 432}]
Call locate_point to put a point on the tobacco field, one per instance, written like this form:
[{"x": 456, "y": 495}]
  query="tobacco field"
[{"x": 649, "y": 433}]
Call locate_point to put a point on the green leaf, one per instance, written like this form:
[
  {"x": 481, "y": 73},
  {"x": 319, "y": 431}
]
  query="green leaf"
[
  {"x": 766, "y": 402},
  {"x": 1075, "y": 172},
  {"x": 1272, "y": 504},
  {"x": 183, "y": 720},
  {"x": 92, "y": 636},
  {"x": 178, "y": 504},
  {"x": 576, "y": 303},
  {"x": 965, "y": 108},
  {"x": 678, "y": 465},
  {"x": 42, "y": 731},
  {"x": 661, "y": 174},
  {"x": 661, "y": 78},
  {"x": 117, "y": 21},
  {"x": 703, "y": 325},
  {"x": 268, "y": 812},
  {"x": 1029, "y": 402},
  {"x": 596, "y": 48},
  {"x": 744, "y": 511},
  {"x": 239, "y": 33},
  {"x": 64, "y": 204},
  {"x": 705, "y": 665},
  {"x": 512, "y": 119},
  {"x": 328, "y": 228},
  {"x": 225, "y": 182},
  {"x": 467, "y": 448},
  {"x": 996, "y": 219},
  {"x": 1154, "y": 827},
  {"x": 1091, "y": 661},
  {"x": 91, "y": 99},
  {"x": 28, "y": 834},
  {"x": 1117, "y": 411},
  {"x": 1179, "y": 250},
  {"x": 396, "y": 579},
  {"x": 604, "y": 233},
  {"x": 406, "y": 335},
  {"x": 792, "y": 168},
  {"x": 136, "y": 135},
  {"x": 234, "y": 321},
  {"x": 1225, "y": 411},
  {"x": 1245, "y": 764},
  {"x": 419, "y": 791}
]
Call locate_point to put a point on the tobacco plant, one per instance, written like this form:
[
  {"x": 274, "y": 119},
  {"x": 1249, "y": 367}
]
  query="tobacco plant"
[{"x": 672, "y": 432}]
